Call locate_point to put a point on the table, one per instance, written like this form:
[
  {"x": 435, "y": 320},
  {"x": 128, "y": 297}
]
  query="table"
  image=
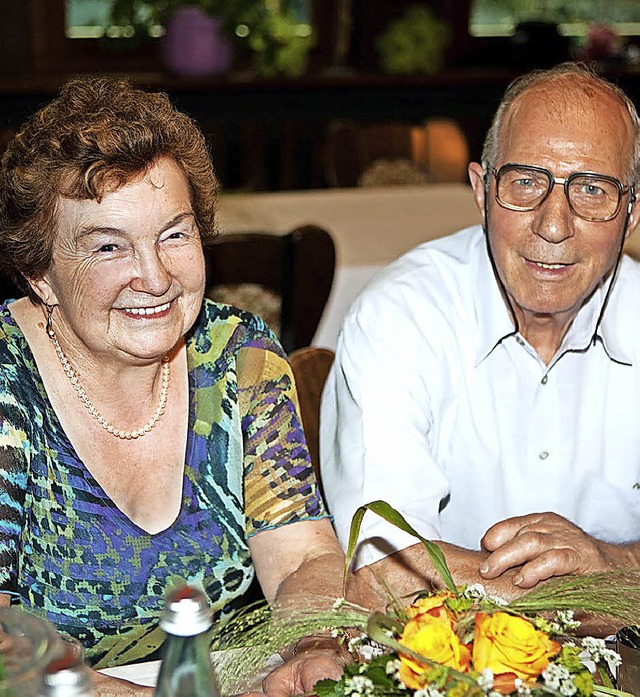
[
  {"x": 147, "y": 673},
  {"x": 370, "y": 226}
]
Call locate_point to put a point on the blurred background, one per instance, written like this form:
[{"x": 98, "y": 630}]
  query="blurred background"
[{"x": 311, "y": 94}]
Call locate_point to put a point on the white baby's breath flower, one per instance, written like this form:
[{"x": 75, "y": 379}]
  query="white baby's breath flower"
[
  {"x": 566, "y": 620},
  {"x": 595, "y": 647},
  {"x": 475, "y": 590},
  {"x": 359, "y": 685},
  {"x": 370, "y": 651},
  {"x": 594, "y": 651},
  {"x": 338, "y": 603},
  {"x": 558, "y": 678},
  {"x": 354, "y": 642},
  {"x": 553, "y": 674},
  {"x": 485, "y": 680},
  {"x": 392, "y": 666},
  {"x": 429, "y": 692},
  {"x": 497, "y": 600},
  {"x": 612, "y": 658},
  {"x": 568, "y": 688}
]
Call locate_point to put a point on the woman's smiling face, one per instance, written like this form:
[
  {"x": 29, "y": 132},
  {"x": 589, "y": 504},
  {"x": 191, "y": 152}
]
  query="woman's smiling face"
[{"x": 128, "y": 272}]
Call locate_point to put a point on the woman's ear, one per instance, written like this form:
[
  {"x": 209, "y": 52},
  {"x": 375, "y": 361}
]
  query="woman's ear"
[{"x": 42, "y": 288}]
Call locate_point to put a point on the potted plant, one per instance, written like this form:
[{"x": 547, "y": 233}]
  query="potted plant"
[
  {"x": 413, "y": 43},
  {"x": 199, "y": 33}
]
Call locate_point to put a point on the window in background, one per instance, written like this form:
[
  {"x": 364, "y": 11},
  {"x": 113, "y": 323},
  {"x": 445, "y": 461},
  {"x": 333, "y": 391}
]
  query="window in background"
[
  {"x": 499, "y": 17},
  {"x": 87, "y": 19}
]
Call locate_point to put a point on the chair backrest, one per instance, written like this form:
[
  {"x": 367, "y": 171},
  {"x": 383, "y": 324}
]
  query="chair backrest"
[
  {"x": 298, "y": 267},
  {"x": 310, "y": 367},
  {"x": 442, "y": 148}
]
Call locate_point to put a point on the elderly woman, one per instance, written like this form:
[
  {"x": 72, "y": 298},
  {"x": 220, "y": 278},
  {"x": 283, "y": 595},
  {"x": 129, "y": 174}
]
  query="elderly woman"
[{"x": 146, "y": 435}]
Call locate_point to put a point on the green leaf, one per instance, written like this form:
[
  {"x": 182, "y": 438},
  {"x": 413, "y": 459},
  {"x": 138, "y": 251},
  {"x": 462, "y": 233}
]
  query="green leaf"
[
  {"x": 601, "y": 690},
  {"x": 326, "y": 688},
  {"x": 391, "y": 515}
]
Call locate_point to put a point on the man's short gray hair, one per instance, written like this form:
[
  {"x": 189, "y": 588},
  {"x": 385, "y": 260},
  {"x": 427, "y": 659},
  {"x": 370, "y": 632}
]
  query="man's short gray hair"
[{"x": 580, "y": 77}]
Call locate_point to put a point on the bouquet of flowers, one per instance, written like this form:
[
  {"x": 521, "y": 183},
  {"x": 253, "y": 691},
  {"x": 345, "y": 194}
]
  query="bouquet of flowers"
[{"x": 457, "y": 642}]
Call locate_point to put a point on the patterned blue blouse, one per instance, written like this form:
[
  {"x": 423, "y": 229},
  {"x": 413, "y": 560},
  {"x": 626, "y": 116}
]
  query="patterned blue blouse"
[{"x": 69, "y": 554}]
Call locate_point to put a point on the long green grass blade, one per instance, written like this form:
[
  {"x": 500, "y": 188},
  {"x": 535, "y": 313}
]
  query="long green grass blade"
[{"x": 391, "y": 515}]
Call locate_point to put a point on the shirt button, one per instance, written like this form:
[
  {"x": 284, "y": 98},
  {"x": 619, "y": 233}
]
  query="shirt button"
[
  {"x": 545, "y": 380},
  {"x": 543, "y": 455}
]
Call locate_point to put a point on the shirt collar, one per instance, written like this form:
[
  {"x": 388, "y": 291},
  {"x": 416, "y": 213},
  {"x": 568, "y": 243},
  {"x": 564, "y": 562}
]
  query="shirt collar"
[{"x": 494, "y": 323}]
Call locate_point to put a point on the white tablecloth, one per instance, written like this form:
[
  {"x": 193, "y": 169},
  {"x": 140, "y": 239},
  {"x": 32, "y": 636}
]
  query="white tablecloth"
[
  {"x": 147, "y": 673},
  {"x": 370, "y": 227}
]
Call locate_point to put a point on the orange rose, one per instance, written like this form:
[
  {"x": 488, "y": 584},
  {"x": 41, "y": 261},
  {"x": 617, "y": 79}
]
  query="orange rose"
[
  {"x": 433, "y": 638},
  {"x": 508, "y": 644},
  {"x": 433, "y": 605}
]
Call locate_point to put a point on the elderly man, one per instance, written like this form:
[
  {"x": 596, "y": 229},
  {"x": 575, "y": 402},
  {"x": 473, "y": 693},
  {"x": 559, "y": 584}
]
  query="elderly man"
[{"x": 487, "y": 384}]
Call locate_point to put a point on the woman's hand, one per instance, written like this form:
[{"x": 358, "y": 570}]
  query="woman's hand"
[
  {"x": 300, "y": 673},
  {"x": 107, "y": 686}
]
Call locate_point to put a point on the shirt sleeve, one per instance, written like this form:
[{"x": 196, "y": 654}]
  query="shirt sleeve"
[
  {"x": 279, "y": 483},
  {"x": 376, "y": 425},
  {"x": 13, "y": 468}
]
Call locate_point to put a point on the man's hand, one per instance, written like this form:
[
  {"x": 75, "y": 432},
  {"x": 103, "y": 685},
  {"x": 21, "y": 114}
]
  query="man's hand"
[{"x": 543, "y": 545}]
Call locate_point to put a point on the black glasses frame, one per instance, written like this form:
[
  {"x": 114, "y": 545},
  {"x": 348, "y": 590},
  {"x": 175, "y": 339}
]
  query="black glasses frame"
[{"x": 566, "y": 182}]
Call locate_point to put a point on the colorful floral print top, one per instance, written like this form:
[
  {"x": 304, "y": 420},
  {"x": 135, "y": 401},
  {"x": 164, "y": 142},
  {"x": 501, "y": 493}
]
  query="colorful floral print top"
[{"x": 69, "y": 554}]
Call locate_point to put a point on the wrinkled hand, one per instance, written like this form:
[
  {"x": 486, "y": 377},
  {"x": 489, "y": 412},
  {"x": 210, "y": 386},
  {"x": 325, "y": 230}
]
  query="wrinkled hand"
[
  {"x": 543, "y": 545},
  {"x": 107, "y": 686},
  {"x": 300, "y": 673}
]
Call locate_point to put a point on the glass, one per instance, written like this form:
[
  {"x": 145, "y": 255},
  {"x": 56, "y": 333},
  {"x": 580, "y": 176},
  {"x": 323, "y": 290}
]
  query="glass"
[
  {"x": 27, "y": 645},
  {"x": 591, "y": 196},
  {"x": 628, "y": 646}
]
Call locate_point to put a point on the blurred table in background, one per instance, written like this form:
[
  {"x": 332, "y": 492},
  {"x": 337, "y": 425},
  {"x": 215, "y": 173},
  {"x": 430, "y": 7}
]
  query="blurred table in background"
[{"x": 370, "y": 226}]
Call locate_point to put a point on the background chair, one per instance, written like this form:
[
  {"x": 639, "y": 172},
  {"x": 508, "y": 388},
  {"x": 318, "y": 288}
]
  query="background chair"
[
  {"x": 311, "y": 366},
  {"x": 296, "y": 270},
  {"x": 395, "y": 153}
]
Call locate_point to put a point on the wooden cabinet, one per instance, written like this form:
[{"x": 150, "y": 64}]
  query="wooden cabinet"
[{"x": 269, "y": 134}]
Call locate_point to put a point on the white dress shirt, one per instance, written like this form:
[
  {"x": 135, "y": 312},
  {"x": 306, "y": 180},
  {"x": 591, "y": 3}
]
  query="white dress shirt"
[{"x": 436, "y": 406}]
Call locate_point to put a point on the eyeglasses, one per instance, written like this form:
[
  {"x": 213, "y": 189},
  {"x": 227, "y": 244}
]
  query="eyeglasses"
[{"x": 591, "y": 196}]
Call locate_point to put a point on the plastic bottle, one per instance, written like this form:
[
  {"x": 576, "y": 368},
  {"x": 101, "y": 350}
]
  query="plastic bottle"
[{"x": 186, "y": 669}]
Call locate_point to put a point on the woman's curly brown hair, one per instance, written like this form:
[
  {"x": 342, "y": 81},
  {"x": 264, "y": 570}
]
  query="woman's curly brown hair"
[{"x": 96, "y": 136}]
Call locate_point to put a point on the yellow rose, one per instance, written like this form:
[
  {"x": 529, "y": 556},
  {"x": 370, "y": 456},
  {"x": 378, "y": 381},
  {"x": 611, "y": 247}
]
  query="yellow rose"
[
  {"x": 434, "y": 605},
  {"x": 433, "y": 638},
  {"x": 507, "y": 644}
]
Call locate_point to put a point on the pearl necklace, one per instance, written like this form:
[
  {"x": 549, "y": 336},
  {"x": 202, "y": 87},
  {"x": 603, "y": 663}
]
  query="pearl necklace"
[{"x": 107, "y": 425}]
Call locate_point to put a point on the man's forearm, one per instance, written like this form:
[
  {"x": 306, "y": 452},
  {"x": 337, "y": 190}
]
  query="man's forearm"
[
  {"x": 409, "y": 571},
  {"x": 625, "y": 556}
]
